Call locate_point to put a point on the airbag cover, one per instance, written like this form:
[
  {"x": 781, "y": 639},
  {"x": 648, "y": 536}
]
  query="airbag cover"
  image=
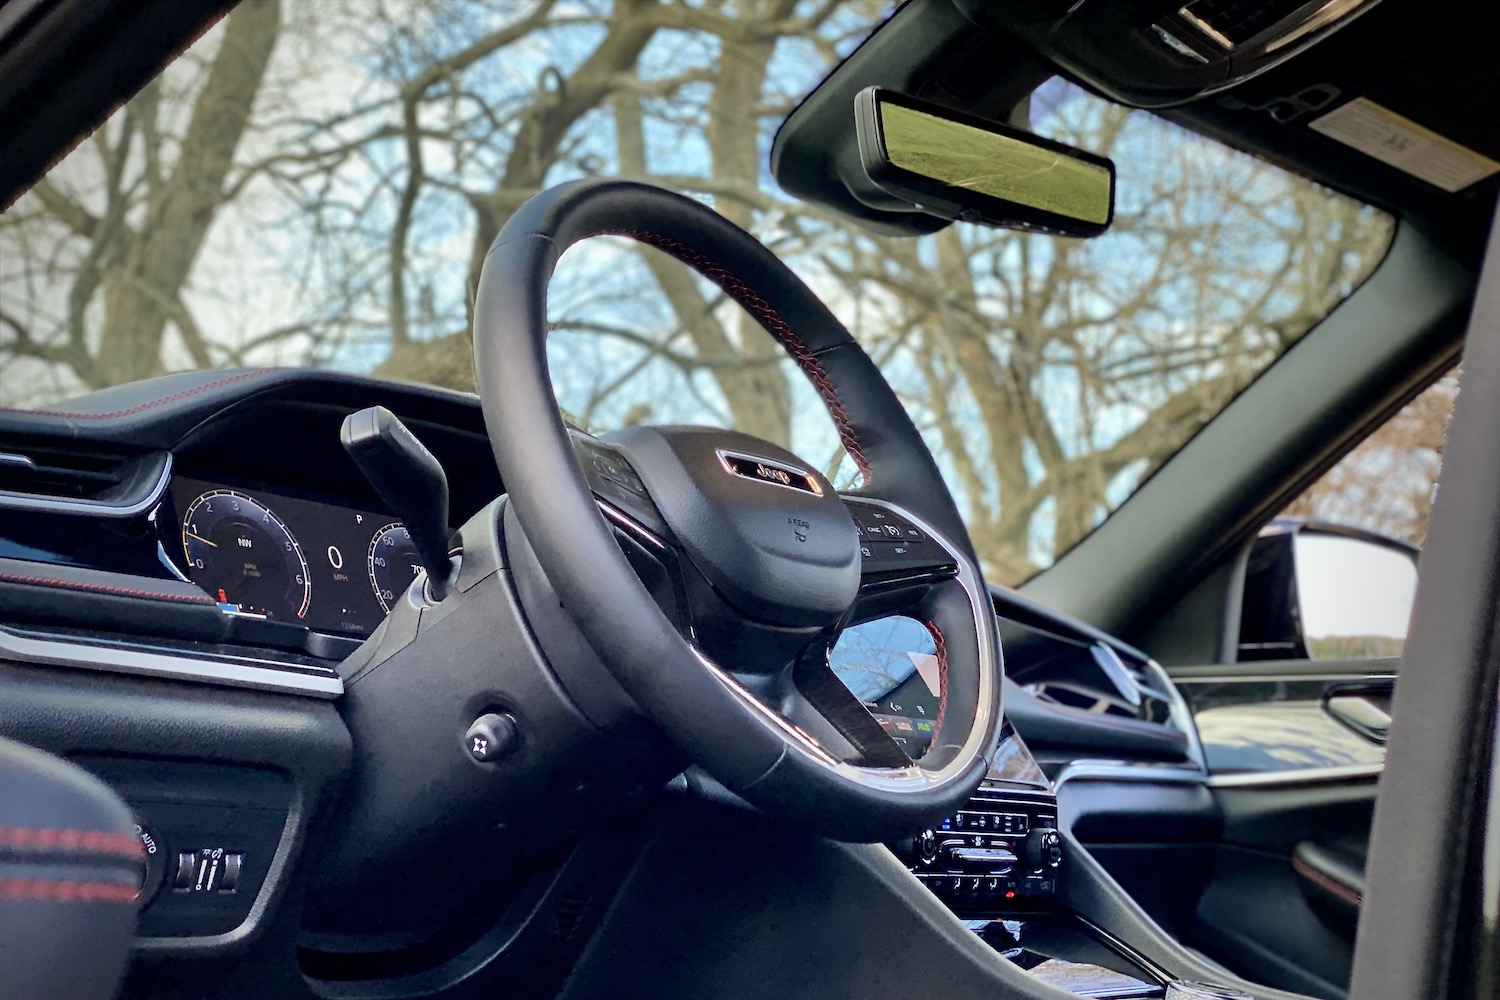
[{"x": 767, "y": 531}]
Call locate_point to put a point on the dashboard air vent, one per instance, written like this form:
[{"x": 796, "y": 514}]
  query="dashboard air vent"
[{"x": 62, "y": 478}]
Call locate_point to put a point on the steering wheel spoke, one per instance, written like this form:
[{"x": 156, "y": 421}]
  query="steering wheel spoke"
[{"x": 819, "y": 691}]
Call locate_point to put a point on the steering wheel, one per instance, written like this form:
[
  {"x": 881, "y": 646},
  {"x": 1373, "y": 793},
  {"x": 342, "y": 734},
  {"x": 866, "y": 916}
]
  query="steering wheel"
[{"x": 768, "y": 562}]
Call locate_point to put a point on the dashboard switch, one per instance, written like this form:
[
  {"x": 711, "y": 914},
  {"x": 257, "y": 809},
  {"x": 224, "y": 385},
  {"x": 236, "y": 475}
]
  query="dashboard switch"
[
  {"x": 187, "y": 871},
  {"x": 233, "y": 864},
  {"x": 491, "y": 737}
]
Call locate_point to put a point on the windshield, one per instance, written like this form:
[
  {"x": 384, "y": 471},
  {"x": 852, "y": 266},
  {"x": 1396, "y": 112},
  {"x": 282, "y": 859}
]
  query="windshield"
[{"x": 315, "y": 182}]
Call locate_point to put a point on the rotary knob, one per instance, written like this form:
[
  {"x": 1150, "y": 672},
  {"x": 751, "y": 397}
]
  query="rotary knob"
[
  {"x": 1043, "y": 849},
  {"x": 927, "y": 847}
]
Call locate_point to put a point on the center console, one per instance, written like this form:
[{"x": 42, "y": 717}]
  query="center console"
[
  {"x": 999, "y": 863},
  {"x": 1001, "y": 855}
]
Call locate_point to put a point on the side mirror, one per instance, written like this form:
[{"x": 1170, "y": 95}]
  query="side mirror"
[
  {"x": 934, "y": 160},
  {"x": 1325, "y": 592}
]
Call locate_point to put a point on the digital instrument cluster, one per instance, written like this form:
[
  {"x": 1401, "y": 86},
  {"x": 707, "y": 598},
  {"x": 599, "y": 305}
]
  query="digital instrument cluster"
[{"x": 263, "y": 555}]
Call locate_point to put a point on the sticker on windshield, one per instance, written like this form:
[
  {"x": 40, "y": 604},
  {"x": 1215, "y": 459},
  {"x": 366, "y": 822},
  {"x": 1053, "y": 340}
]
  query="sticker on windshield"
[{"x": 1405, "y": 145}]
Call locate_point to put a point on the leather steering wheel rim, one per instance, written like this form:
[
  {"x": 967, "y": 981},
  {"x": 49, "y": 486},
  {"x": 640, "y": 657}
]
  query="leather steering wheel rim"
[{"x": 727, "y": 731}]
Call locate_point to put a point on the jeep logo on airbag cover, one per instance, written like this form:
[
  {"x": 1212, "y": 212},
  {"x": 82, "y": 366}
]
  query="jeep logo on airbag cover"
[{"x": 769, "y": 472}]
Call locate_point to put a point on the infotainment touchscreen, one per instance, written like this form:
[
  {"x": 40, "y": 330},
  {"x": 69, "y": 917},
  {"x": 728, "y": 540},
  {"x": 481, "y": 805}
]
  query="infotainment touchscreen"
[{"x": 891, "y": 665}]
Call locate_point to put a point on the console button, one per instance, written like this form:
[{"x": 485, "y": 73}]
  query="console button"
[
  {"x": 153, "y": 870},
  {"x": 927, "y": 846},
  {"x": 993, "y": 859},
  {"x": 1043, "y": 849},
  {"x": 941, "y": 885}
]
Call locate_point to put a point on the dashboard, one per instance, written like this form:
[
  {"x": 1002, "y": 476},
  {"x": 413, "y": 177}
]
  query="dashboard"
[{"x": 238, "y": 488}]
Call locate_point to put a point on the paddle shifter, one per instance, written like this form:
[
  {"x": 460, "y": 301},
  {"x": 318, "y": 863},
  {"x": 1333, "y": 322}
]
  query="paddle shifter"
[{"x": 410, "y": 481}]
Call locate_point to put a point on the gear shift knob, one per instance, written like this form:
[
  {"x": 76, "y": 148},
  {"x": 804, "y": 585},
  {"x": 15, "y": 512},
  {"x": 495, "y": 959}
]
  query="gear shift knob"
[{"x": 411, "y": 482}]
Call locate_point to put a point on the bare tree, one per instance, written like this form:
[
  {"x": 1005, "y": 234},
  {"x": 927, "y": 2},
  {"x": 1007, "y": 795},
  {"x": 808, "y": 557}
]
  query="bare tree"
[
  {"x": 1386, "y": 483},
  {"x": 126, "y": 229},
  {"x": 1051, "y": 376}
]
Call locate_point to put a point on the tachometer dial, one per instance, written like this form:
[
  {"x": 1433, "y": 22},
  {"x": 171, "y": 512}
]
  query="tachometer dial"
[
  {"x": 242, "y": 554},
  {"x": 394, "y": 563}
]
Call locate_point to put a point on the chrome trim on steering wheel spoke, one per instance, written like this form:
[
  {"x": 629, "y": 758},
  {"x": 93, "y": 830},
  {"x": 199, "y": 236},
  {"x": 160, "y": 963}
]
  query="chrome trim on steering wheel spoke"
[{"x": 629, "y": 524}]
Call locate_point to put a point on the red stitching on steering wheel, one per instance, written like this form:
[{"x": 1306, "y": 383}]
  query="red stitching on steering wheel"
[
  {"x": 772, "y": 321},
  {"x": 940, "y": 650}
]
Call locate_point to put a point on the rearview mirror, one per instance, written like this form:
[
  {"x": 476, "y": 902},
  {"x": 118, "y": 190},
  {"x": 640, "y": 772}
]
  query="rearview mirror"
[{"x": 955, "y": 166}]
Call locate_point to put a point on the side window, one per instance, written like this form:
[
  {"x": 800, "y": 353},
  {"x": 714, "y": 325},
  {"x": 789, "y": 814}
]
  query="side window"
[{"x": 1334, "y": 575}]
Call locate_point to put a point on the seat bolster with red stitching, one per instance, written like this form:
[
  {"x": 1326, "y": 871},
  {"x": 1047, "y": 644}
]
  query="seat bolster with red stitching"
[{"x": 70, "y": 864}]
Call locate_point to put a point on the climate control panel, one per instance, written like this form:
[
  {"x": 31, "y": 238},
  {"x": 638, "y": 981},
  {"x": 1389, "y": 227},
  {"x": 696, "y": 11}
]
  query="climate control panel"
[{"x": 1001, "y": 855}]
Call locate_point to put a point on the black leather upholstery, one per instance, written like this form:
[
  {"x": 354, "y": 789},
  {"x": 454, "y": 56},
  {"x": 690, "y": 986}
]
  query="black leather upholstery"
[{"x": 70, "y": 864}]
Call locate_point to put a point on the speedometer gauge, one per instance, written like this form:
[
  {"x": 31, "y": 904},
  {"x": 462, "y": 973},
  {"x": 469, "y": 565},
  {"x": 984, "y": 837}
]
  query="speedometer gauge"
[
  {"x": 242, "y": 554},
  {"x": 394, "y": 563}
]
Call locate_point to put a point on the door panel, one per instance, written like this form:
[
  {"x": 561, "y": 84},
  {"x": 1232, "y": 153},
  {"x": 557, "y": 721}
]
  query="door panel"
[
  {"x": 1261, "y": 913},
  {"x": 1295, "y": 788}
]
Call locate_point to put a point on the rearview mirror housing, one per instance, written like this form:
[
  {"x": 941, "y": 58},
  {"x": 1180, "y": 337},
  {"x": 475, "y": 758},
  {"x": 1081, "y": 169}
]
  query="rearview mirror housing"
[{"x": 955, "y": 166}]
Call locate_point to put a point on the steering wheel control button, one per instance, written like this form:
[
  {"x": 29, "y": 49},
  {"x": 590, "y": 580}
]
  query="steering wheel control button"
[
  {"x": 890, "y": 544},
  {"x": 491, "y": 737}
]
